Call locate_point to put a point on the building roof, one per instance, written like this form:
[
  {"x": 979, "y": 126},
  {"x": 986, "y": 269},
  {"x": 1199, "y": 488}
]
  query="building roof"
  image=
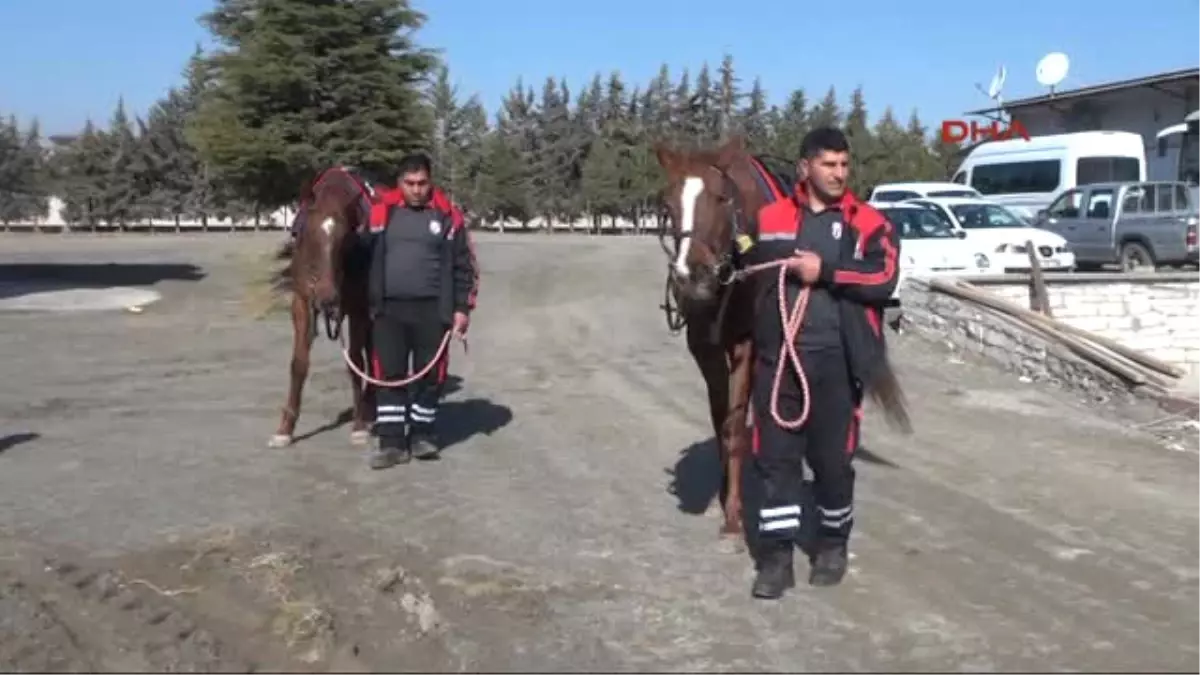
[{"x": 1171, "y": 77}]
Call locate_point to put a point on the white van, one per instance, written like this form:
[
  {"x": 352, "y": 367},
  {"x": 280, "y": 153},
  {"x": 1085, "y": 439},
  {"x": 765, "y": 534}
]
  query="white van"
[{"x": 1026, "y": 175}]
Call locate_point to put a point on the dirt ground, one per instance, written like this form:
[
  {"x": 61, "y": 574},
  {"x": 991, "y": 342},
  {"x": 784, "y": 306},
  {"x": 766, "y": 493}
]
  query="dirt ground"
[{"x": 146, "y": 525}]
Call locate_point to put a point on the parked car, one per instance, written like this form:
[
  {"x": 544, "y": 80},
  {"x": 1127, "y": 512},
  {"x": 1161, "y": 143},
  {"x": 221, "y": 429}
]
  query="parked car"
[
  {"x": 1137, "y": 225},
  {"x": 1002, "y": 235},
  {"x": 929, "y": 244},
  {"x": 898, "y": 192}
]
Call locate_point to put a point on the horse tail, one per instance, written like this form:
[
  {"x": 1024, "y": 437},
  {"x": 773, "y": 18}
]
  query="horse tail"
[
  {"x": 286, "y": 250},
  {"x": 886, "y": 392}
]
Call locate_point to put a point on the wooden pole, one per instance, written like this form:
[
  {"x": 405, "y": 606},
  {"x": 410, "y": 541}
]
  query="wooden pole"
[{"x": 1037, "y": 283}]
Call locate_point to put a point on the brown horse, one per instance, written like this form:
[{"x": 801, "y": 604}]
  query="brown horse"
[
  {"x": 327, "y": 277},
  {"x": 713, "y": 197}
]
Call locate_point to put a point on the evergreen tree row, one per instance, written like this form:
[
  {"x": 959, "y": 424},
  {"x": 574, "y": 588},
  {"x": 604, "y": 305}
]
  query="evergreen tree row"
[{"x": 288, "y": 94}]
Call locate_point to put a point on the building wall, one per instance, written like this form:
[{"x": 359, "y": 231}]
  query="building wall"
[{"x": 1141, "y": 110}]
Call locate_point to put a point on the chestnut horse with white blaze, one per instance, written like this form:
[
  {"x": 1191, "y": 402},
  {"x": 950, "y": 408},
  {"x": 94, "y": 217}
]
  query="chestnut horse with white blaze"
[
  {"x": 328, "y": 279},
  {"x": 713, "y": 197}
]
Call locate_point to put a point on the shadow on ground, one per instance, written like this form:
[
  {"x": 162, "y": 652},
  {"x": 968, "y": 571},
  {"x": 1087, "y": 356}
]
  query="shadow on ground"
[
  {"x": 462, "y": 420},
  {"x": 459, "y": 420},
  {"x": 696, "y": 476},
  {"x": 17, "y": 279},
  {"x": 9, "y": 441},
  {"x": 696, "y": 484}
]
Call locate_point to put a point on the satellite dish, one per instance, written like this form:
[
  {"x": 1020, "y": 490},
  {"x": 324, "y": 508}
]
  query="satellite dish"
[
  {"x": 1052, "y": 69},
  {"x": 997, "y": 84}
]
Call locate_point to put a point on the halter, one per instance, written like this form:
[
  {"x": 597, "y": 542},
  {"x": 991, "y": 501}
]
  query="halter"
[{"x": 725, "y": 269}]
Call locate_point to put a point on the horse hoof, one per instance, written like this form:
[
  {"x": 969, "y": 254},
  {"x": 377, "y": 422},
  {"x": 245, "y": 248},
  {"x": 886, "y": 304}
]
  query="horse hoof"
[
  {"x": 731, "y": 543},
  {"x": 279, "y": 441},
  {"x": 361, "y": 437}
]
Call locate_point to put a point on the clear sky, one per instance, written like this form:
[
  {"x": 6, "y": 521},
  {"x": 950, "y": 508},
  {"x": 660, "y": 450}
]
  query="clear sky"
[{"x": 68, "y": 60}]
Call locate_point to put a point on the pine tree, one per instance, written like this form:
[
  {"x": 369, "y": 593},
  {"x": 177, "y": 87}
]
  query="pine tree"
[
  {"x": 827, "y": 113},
  {"x": 728, "y": 99},
  {"x": 292, "y": 94},
  {"x": 755, "y": 120},
  {"x": 120, "y": 195},
  {"x": 793, "y": 123}
]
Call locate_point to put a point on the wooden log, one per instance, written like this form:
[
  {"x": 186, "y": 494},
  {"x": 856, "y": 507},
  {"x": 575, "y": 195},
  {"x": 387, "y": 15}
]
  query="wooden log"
[
  {"x": 1037, "y": 283},
  {"x": 1141, "y": 358},
  {"x": 1086, "y": 351}
]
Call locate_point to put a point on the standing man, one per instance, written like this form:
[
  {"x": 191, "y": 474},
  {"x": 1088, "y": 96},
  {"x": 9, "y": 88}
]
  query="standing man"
[
  {"x": 845, "y": 253},
  {"x": 422, "y": 284}
]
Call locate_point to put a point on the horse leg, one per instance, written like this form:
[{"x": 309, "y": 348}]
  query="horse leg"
[
  {"x": 359, "y": 328},
  {"x": 735, "y": 433},
  {"x": 713, "y": 366},
  {"x": 302, "y": 339}
]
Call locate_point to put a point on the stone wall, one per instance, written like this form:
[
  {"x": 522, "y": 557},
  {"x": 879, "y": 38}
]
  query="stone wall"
[
  {"x": 965, "y": 327},
  {"x": 1156, "y": 314}
]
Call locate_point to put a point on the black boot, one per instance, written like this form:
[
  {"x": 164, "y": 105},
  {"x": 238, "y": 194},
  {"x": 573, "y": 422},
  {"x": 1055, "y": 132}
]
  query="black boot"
[
  {"x": 424, "y": 446},
  {"x": 390, "y": 451},
  {"x": 829, "y": 565},
  {"x": 776, "y": 573}
]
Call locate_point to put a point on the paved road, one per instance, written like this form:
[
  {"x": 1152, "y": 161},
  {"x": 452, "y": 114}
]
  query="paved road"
[{"x": 1016, "y": 530}]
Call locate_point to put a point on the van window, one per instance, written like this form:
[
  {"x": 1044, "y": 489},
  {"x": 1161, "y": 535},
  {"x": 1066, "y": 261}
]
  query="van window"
[
  {"x": 1189, "y": 158},
  {"x": 893, "y": 196},
  {"x": 1090, "y": 170},
  {"x": 960, "y": 178},
  {"x": 1016, "y": 177}
]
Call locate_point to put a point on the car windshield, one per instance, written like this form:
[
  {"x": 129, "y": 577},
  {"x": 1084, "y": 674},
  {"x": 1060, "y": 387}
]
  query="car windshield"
[
  {"x": 922, "y": 223},
  {"x": 979, "y": 216},
  {"x": 954, "y": 193}
]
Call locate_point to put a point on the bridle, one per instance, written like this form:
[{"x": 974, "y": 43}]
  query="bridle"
[{"x": 725, "y": 269}]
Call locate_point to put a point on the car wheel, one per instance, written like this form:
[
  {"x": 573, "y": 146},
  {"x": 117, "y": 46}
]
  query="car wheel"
[{"x": 1136, "y": 258}]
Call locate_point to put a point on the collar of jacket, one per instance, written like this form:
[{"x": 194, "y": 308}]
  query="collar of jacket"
[{"x": 848, "y": 203}]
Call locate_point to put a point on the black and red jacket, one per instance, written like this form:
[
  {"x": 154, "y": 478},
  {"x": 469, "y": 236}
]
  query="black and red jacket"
[
  {"x": 460, "y": 282},
  {"x": 862, "y": 281}
]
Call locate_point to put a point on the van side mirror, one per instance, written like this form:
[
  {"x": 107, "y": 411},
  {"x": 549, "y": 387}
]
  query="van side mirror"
[
  {"x": 1042, "y": 213},
  {"x": 961, "y": 234}
]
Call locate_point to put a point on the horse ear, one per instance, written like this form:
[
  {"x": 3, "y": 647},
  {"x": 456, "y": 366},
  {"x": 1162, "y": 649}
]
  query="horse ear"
[
  {"x": 731, "y": 150},
  {"x": 668, "y": 158}
]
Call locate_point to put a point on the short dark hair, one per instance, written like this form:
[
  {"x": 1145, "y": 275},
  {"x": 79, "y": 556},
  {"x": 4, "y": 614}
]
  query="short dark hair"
[
  {"x": 414, "y": 162},
  {"x": 823, "y": 139}
]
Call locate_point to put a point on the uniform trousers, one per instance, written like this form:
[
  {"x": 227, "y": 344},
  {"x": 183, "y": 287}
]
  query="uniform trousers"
[
  {"x": 826, "y": 442},
  {"x": 406, "y": 336}
]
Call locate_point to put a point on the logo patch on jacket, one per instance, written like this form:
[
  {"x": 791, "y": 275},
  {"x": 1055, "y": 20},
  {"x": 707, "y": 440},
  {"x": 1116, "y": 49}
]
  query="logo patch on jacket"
[
  {"x": 435, "y": 228},
  {"x": 836, "y": 229}
]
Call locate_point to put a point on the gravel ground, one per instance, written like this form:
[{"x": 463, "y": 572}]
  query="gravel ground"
[{"x": 148, "y": 527}]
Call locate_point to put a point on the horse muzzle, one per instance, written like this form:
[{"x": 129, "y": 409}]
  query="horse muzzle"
[{"x": 700, "y": 284}]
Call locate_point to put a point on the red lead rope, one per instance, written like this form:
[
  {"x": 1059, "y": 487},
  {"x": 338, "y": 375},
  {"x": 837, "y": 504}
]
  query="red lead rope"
[{"x": 788, "y": 356}]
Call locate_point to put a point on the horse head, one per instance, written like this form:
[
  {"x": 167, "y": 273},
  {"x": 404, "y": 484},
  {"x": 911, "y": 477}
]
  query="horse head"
[
  {"x": 706, "y": 197},
  {"x": 331, "y": 212}
]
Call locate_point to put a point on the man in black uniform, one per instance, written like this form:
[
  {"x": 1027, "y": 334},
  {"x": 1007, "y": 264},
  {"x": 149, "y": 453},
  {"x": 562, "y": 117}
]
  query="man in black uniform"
[
  {"x": 421, "y": 285},
  {"x": 845, "y": 253}
]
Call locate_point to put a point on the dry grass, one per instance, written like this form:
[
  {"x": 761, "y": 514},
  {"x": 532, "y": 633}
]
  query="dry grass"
[
  {"x": 268, "y": 290},
  {"x": 297, "y": 620}
]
